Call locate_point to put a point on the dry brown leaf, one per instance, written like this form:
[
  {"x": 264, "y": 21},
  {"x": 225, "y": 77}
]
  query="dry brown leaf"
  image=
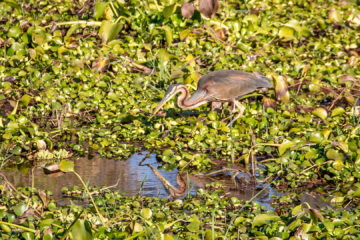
[
  {"x": 269, "y": 103},
  {"x": 208, "y": 8},
  {"x": 281, "y": 89},
  {"x": 187, "y": 9},
  {"x": 101, "y": 64}
]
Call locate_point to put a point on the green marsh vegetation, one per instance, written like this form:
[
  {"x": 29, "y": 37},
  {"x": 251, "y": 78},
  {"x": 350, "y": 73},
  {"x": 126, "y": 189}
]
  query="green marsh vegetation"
[{"x": 81, "y": 77}]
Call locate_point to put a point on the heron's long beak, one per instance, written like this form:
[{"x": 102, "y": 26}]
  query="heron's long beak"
[{"x": 166, "y": 98}]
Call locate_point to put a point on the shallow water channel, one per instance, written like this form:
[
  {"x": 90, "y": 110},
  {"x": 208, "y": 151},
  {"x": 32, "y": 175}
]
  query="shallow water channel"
[{"x": 131, "y": 178}]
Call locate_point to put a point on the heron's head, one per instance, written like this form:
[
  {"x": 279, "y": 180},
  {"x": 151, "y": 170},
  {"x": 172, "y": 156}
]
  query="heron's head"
[{"x": 173, "y": 89}]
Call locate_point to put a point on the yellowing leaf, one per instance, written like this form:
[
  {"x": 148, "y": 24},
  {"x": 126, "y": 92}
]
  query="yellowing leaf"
[
  {"x": 25, "y": 100},
  {"x": 66, "y": 166},
  {"x": 146, "y": 213},
  {"x": 281, "y": 89},
  {"x": 338, "y": 164},
  {"x": 99, "y": 9},
  {"x": 169, "y": 10},
  {"x": 284, "y": 146},
  {"x": 286, "y": 33},
  {"x": 320, "y": 112},
  {"x": 109, "y": 30},
  {"x": 337, "y": 111},
  {"x": 168, "y": 34},
  {"x": 184, "y": 34},
  {"x": 263, "y": 219}
]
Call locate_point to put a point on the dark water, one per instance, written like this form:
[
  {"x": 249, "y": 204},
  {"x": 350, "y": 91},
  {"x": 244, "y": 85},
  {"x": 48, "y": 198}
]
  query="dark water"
[{"x": 130, "y": 176}]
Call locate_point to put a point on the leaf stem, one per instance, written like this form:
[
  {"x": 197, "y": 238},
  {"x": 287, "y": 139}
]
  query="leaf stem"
[
  {"x": 18, "y": 226},
  {"x": 92, "y": 200},
  {"x": 87, "y": 23}
]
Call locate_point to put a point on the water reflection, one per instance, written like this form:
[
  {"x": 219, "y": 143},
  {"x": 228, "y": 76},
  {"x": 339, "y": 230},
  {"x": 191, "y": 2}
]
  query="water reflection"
[
  {"x": 130, "y": 177},
  {"x": 102, "y": 172}
]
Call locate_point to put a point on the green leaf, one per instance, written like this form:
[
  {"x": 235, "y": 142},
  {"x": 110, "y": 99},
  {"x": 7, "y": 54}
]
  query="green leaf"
[
  {"x": 337, "y": 111},
  {"x": 14, "y": 32},
  {"x": 66, "y": 166},
  {"x": 284, "y": 146},
  {"x": 321, "y": 113},
  {"x": 169, "y": 10},
  {"x": 146, "y": 213},
  {"x": 38, "y": 37},
  {"x": 316, "y": 137},
  {"x": 16, "y": 150},
  {"x": 337, "y": 200},
  {"x": 168, "y": 152},
  {"x": 138, "y": 227},
  {"x": 286, "y": 33},
  {"x": 194, "y": 225},
  {"x": 20, "y": 209},
  {"x": 239, "y": 221},
  {"x": 212, "y": 116},
  {"x": 5, "y": 228},
  {"x": 168, "y": 34},
  {"x": 48, "y": 236},
  {"x": 184, "y": 34},
  {"x": 294, "y": 24},
  {"x": 13, "y": 3},
  {"x": 329, "y": 225},
  {"x": 109, "y": 30},
  {"x": 338, "y": 164},
  {"x": 71, "y": 30},
  {"x": 262, "y": 219},
  {"x": 334, "y": 154},
  {"x": 356, "y": 193},
  {"x": 28, "y": 235},
  {"x": 295, "y": 224},
  {"x": 25, "y": 100},
  {"x": 99, "y": 9},
  {"x": 164, "y": 58},
  {"x": 296, "y": 210},
  {"x": 79, "y": 231}
]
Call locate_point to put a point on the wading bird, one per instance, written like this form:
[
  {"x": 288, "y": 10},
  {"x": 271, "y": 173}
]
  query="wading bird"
[{"x": 217, "y": 86}]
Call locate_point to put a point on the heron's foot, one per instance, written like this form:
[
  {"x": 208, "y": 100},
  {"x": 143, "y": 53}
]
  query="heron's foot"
[{"x": 241, "y": 111}]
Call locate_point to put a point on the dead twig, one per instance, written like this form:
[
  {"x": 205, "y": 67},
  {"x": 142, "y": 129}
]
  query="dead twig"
[
  {"x": 143, "y": 68},
  {"x": 315, "y": 165},
  {"x": 348, "y": 204},
  {"x": 220, "y": 171},
  {"x": 336, "y": 99},
  {"x": 252, "y": 155},
  {"x": 105, "y": 188},
  {"x": 11, "y": 187}
]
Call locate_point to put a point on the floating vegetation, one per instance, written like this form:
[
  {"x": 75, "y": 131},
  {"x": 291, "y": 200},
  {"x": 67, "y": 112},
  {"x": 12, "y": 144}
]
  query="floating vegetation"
[{"x": 83, "y": 77}]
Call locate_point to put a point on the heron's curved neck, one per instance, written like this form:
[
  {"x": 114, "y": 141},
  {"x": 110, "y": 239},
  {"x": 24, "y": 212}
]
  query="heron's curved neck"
[{"x": 183, "y": 99}]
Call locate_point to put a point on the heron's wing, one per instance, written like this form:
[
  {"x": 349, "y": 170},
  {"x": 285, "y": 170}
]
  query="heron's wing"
[
  {"x": 230, "y": 84},
  {"x": 199, "y": 96}
]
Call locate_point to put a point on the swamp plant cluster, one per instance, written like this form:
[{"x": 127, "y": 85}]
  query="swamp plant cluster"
[{"x": 78, "y": 77}]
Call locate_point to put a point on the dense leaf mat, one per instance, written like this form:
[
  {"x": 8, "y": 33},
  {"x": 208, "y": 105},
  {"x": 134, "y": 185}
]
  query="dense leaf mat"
[{"x": 79, "y": 77}]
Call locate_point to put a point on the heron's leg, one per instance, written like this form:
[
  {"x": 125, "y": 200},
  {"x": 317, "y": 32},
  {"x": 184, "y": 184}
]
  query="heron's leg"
[
  {"x": 216, "y": 105},
  {"x": 232, "y": 107},
  {"x": 231, "y": 111},
  {"x": 241, "y": 111}
]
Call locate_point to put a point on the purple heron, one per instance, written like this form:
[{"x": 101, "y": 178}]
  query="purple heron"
[{"x": 217, "y": 86}]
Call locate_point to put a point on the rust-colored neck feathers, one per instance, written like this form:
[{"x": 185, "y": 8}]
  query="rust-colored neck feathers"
[{"x": 184, "y": 101}]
